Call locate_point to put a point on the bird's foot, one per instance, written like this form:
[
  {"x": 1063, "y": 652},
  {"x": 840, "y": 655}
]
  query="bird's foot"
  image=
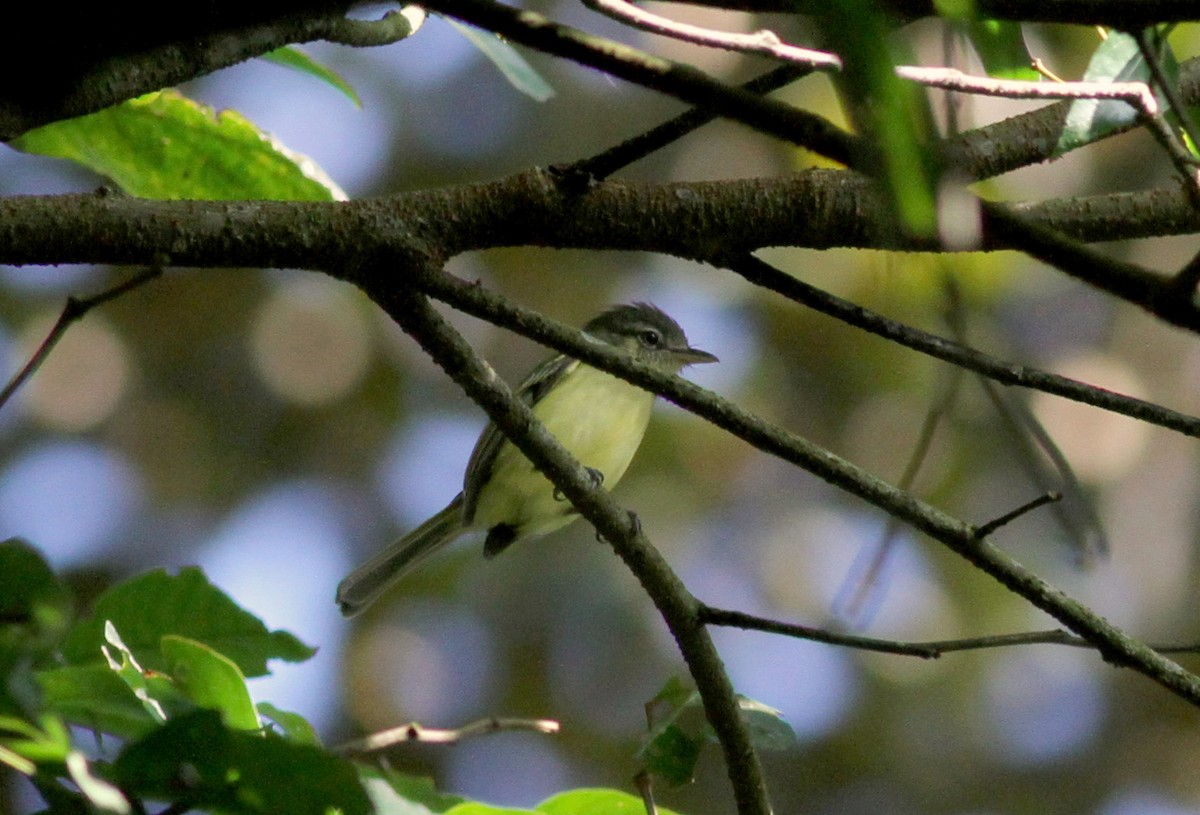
[{"x": 594, "y": 475}]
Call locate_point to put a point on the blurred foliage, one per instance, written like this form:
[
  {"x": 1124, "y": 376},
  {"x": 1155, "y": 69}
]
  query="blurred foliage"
[
  {"x": 185, "y": 734},
  {"x": 222, "y": 402}
]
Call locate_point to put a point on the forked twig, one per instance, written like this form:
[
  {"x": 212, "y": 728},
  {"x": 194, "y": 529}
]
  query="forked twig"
[{"x": 72, "y": 312}]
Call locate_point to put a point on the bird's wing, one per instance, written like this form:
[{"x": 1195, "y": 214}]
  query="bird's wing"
[{"x": 479, "y": 468}]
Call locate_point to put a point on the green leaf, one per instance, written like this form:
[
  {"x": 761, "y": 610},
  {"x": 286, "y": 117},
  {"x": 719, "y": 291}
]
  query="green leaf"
[
  {"x": 126, "y": 667},
  {"x": 292, "y": 57},
  {"x": 211, "y": 680},
  {"x": 149, "y": 607},
  {"x": 35, "y": 606},
  {"x": 519, "y": 73},
  {"x": 1001, "y": 46},
  {"x": 94, "y": 696},
  {"x": 396, "y": 793},
  {"x": 100, "y": 794},
  {"x": 592, "y": 801},
  {"x": 1116, "y": 59},
  {"x": 199, "y": 763},
  {"x": 678, "y": 732},
  {"x": 47, "y": 742},
  {"x": 671, "y": 753},
  {"x": 768, "y": 729},
  {"x": 294, "y": 726},
  {"x": 477, "y": 808},
  {"x": 164, "y": 145}
]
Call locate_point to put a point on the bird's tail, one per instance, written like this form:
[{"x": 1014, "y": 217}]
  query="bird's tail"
[{"x": 365, "y": 584}]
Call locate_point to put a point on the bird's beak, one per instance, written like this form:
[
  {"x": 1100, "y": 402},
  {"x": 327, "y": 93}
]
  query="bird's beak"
[{"x": 693, "y": 356}]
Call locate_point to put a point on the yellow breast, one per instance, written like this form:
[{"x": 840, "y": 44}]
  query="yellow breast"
[{"x": 600, "y": 419}]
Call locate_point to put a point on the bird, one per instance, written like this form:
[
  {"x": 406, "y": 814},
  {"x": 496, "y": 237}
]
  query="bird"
[{"x": 598, "y": 417}]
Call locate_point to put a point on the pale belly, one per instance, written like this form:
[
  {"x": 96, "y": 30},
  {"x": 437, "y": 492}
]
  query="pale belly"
[{"x": 600, "y": 419}]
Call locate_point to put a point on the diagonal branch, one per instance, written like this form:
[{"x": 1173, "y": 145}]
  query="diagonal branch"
[
  {"x": 620, "y": 528},
  {"x": 959, "y": 536},
  {"x": 763, "y": 274}
]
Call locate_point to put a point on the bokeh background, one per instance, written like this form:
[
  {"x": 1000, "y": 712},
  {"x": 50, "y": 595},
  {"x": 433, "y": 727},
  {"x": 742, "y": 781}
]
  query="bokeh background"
[{"x": 275, "y": 428}]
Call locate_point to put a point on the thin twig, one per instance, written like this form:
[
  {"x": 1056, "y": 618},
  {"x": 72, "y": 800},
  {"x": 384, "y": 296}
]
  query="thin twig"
[
  {"x": 681, "y": 81},
  {"x": 1165, "y": 85},
  {"x": 929, "y": 649},
  {"x": 645, "y": 788},
  {"x": 72, "y": 312},
  {"x": 764, "y": 42},
  {"x": 767, "y": 276},
  {"x": 858, "y": 587},
  {"x": 1033, "y": 447},
  {"x": 436, "y": 735},
  {"x": 983, "y": 530},
  {"x": 601, "y": 166},
  {"x": 1136, "y": 94}
]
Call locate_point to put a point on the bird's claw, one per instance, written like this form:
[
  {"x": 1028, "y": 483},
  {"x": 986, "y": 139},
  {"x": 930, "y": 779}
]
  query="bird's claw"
[
  {"x": 594, "y": 475},
  {"x": 635, "y": 527}
]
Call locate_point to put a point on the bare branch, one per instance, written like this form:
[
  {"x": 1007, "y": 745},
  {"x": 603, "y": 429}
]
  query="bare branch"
[
  {"x": 414, "y": 731},
  {"x": 928, "y": 649},
  {"x": 764, "y": 42},
  {"x": 72, "y": 312},
  {"x": 1007, "y": 373},
  {"x": 581, "y": 174},
  {"x": 985, "y": 529}
]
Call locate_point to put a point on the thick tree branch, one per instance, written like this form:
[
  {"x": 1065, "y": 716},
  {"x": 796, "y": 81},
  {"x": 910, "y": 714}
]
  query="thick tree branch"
[
  {"x": 103, "y": 72},
  {"x": 706, "y": 221},
  {"x": 816, "y": 209}
]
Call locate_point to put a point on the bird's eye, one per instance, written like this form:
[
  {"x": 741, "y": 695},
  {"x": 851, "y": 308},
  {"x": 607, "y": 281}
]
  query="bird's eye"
[{"x": 651, "y": 338}]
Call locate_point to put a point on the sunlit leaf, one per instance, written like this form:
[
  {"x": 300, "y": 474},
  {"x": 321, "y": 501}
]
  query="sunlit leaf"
[
  {"x": 292, "y": 57},
  {"x": 149, "y": 607},
  {"x": 164, "y": 145},
  {"x": 125, "y": 665},
  {"x": 293, "y": 725},
  {"x": 397, "y": 793},
  {"x": 520, "y": 74},
  {"x": 211, "y": 680},
  {"x": 477, "y": 808},
  {"x": 99, "y": 793},
  {"x": 590, "y": 801},
  {"x": 47, "y": 741}
]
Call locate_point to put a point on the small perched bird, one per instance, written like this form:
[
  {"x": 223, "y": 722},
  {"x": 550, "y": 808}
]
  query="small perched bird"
[{"x": 599, "y": 418}]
